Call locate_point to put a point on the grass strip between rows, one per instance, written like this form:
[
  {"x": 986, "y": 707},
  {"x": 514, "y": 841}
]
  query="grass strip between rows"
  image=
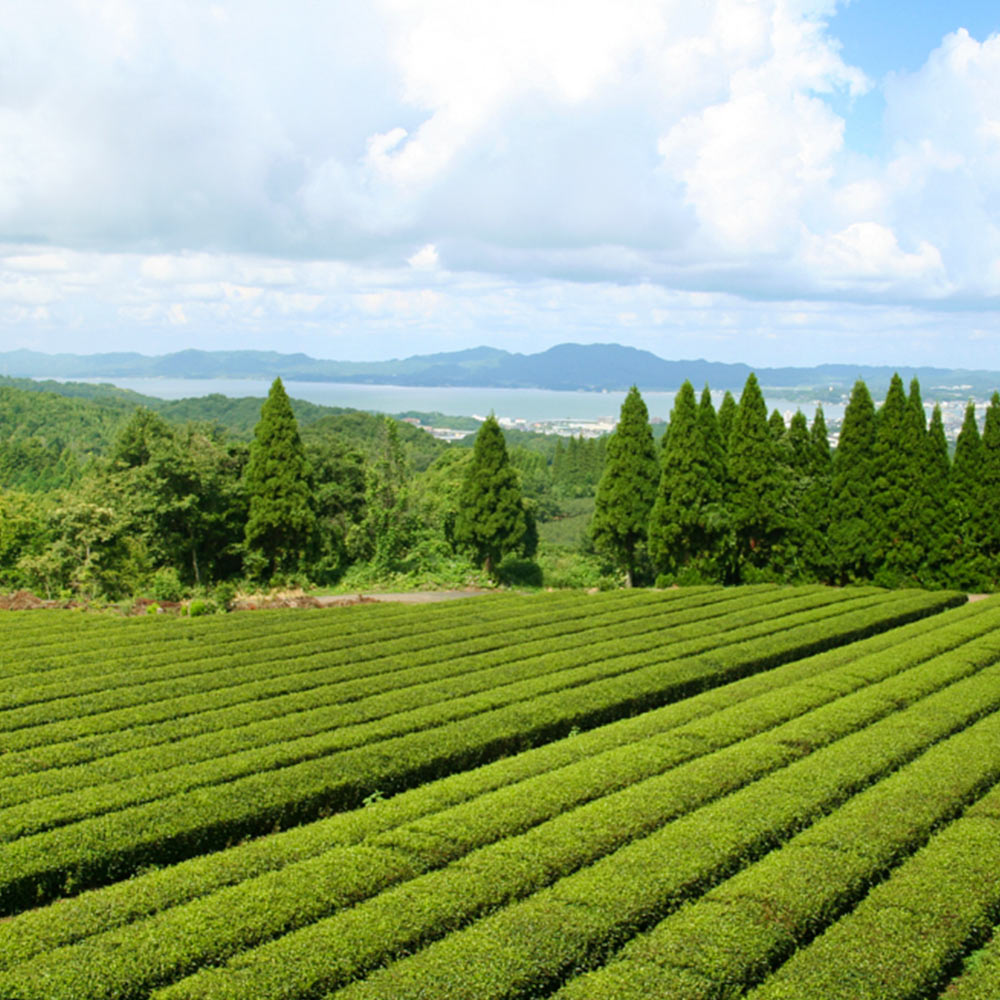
[
  {"x": 178, "y": 766},
  {"x": 750, "y": 705},
  {"x": 114, "y": 845},
  {"x": 530, "y": 945},
  {"x": 135, "y": 958},
  {"x": 903, "y": 939}
]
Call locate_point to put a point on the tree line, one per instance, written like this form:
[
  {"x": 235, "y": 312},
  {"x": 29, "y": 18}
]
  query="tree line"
[
  {"x": 735, "y": 496},
  {"x": 170, "y": 508}
]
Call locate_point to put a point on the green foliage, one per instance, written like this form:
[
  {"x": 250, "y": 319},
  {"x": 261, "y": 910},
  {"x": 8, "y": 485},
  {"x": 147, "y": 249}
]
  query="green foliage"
[
  {"x": 388, "y": 527},
  {"x": 991, "y": 486},
  {"x": 967, "y": 505},
  {"x": 627, "y": 489},
  {"x": 727, "y": 418},
  {"x": 281, "y": 521},
  {"x": 493, "y": 520},
  {"x": 757, "y": 477},
  {"x": 688, "y": 517},
  {"x": 853, "y": 537}
]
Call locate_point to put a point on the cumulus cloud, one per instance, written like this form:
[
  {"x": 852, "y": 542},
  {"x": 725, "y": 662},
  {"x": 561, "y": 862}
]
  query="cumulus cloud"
[{"x": 240, "y": 164}]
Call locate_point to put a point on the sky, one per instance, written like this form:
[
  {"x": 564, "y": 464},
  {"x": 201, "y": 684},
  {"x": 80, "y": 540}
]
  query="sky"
[{"x": 767, "y": 181}]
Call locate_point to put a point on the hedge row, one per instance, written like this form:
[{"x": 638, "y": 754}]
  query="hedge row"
[
  {"x": 45, "y": 649},
  {"x": 135, "y": 958},
  {"x": 980, "y": 979},
  {"x": 902, "y": 941},
  {"x": 529, "y": 946},
  {"x": 737, "y": 933},
  {"x": 741, "y": 708},
  {"x": 317, "y": 727},
  {"x": 306, "y": 675},
  {"x": 290, "y": 638},
  {"x": 277, "y": 677},
  {"x": 114, "y": 845},
  {"x": 310, "y": 732},
  {"x": 29, "y": 704}
]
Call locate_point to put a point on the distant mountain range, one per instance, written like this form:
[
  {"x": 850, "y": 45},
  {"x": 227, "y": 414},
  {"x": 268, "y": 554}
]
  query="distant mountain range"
[{"x": 566, "y": 366}]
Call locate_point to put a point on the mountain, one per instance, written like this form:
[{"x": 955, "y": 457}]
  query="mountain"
[{"x": 566, "y": 366}]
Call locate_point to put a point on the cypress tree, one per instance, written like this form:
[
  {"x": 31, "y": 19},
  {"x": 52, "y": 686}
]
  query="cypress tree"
[
  {"x": 776, "y": 424},
  {"x": 727, "y": 417},
  {"x": 991, "y": 487},
  {"x": 795, "y": 450},
  {"x": 492, "y": 520},
  {"x": 937, "y": 522},
  {"x": 969, "y": 561},
  {"x": 895, "y": 481},
  {"x": 756, "y": 484},
  {"x": 281, "y": 522},
  {"x": 685, "y": 513},
  {"x": 851, "y": 535},
  {"x": 627, "y": 489},
  {"x": 712, "y": 437},
  {"x": 817, "y": 556}
]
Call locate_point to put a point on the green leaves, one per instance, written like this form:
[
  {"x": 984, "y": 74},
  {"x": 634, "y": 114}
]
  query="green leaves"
[
  {"x": 627, "y": 489},
  {"x": 281, "y": 522},
  {"x": 492, "y": 518}
]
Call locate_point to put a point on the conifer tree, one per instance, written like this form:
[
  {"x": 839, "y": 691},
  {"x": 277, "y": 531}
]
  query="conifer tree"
[
  {"x": 627, "y": 489},
  {"x": 991, "y": 487},
  {"x": 493, "y": 520},
  {"x": 937, "y": 521},
  {"x": 776, "y": 424},
  {"x": 893, "y": 485},
  {"x": 756, "y": 483},
  {"x": 281, "y": 522},
  {"x": 817, "y": 556},
  {"x": 969, "y": 561},
  {"x": 794, "y": 448},
  {"x": 715, "y": 451},
  {"x": 851, "y": 535},
  {"x": 727, "y": 417},
  {"x": 685, "y": 515}
]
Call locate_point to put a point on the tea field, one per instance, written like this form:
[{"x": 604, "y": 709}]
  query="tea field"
[{"x": 776, "y": 793}]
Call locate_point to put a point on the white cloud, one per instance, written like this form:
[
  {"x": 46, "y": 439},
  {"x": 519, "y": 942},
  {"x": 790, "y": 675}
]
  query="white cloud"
[
  {"x": 249, "y": 167},
  {"x": 425, "y": 259}
]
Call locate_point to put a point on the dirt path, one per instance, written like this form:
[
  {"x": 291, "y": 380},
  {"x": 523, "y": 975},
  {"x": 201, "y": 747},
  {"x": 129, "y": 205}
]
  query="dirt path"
[{"x": 404, "y": 597}]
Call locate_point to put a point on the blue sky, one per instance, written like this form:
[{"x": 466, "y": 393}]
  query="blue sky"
[{"x": 769, "y": 181}]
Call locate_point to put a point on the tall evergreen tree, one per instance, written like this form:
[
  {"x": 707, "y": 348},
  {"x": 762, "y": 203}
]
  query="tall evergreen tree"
[
  {"x": 627, "y": 489},
  {"x": 493, "y": 520},
  {"x": 281, "y": 522},
  {"x": 851, "y": 535},
  {"x": 727, "y": 417},
  {"x": 776, "y": 424},
  {"x": 817, "y": 555},
  {"x": 991, "y": 487},
  {"x": 969, "y": 560},
  {"x": 937, "y": 521},
  {"x": 685, "y": 515},
  {"x": 895, "y": 481},
  {"x": 757, "y": 486}
]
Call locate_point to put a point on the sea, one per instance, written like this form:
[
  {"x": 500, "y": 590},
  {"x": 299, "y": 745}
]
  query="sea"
[{"x": 530, "y": 405}]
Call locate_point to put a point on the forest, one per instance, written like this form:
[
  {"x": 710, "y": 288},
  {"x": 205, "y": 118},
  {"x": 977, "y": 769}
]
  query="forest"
[{"x": 106, "y": 495}]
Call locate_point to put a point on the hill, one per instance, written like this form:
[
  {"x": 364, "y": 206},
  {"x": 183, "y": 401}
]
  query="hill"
[{"x": 565, "y": 366}]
